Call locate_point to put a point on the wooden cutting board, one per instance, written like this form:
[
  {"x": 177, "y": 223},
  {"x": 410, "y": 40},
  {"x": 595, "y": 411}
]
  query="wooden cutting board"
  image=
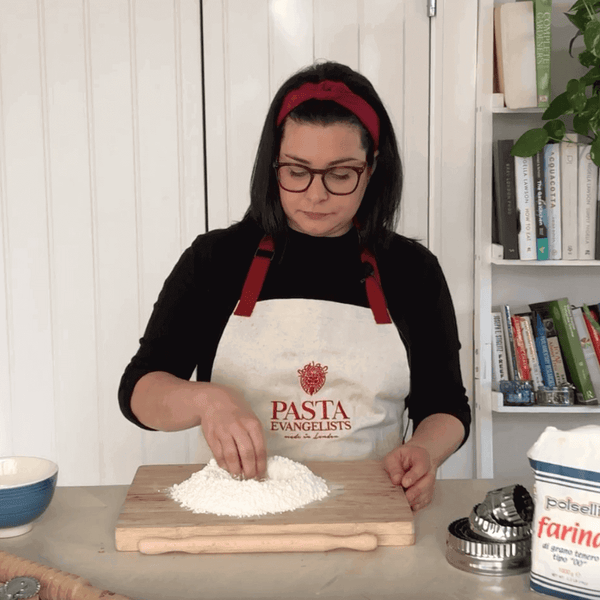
[{"x": 362, "y": 500}]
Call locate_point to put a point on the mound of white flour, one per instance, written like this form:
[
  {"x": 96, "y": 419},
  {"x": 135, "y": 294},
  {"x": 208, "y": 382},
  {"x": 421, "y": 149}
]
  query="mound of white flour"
[{"x": 288, "y": 486}]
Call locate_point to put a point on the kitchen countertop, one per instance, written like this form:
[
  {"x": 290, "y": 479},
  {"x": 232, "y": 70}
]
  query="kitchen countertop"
[{"x": 76, "y": 534}]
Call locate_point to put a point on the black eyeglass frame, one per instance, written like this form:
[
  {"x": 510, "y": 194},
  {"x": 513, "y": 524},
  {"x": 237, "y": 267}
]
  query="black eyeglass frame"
[{"x": 322, "y": 172}]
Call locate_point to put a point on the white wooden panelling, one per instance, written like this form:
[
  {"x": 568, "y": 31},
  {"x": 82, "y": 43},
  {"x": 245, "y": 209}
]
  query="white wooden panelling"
[
  {"x": 72, "y": 271},
  {"x": 336, "y": 31},
  {"x": 115, "y": 199},
  {"x": 372, "y": 36},
  {"x": 290, "y": 39},
  {"x": 452, "y": 200},
  {"x": 102, "y": 188},
  {"x": 27, "y": 191}
]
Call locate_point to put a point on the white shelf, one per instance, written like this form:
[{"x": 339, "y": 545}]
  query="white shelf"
[
  {"x": 545, "y": 263},
  {"x": 498, "y": 406},
  {"x": 498, "y": 107}
]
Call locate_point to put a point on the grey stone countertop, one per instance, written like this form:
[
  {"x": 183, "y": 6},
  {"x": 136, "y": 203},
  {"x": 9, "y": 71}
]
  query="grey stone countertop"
[{"x": 76, "y": 534}]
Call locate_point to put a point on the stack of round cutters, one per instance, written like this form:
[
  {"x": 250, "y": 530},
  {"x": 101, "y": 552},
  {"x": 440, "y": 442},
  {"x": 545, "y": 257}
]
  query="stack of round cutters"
[{"x": 496, "y": 537}]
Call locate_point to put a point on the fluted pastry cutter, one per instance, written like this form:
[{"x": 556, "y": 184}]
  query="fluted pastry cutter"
[
  {"x": 496, "y": 537},
  {"x": 19, "y": 588}
]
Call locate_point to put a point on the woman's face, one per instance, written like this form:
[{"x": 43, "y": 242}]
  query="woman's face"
[{"x": 316, "y": 211}]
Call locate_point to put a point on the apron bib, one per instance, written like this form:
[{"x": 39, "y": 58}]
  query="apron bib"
[{"x": 327, "y": 380}]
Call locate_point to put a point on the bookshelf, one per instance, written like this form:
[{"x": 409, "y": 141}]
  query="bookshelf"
[{"x": 503, "y": 434}]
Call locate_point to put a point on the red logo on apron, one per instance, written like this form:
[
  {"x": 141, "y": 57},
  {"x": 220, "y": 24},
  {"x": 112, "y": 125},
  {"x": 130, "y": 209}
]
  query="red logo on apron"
[{"x": 312, "y": 377}]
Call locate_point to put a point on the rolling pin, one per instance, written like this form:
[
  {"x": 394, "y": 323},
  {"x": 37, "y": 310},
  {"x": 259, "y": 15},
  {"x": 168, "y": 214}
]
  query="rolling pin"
[{"x": 216, "y": 544}]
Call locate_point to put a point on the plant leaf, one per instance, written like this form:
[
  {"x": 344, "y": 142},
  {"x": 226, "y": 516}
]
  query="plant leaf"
[
  {"x": 591, "y": 76},
  {"x": 576, "y": 94},
  {"x": 595, "y": 152},
  {"x": 556, "y": 129},
  {"x": 559, "y": 106},
  {"x": 581, "y": 124},
  {"x": 587, "y": 59},
  {"x": 578, "y": 20},
  {"x": 591, "y": 37},
  {"x": 530, "y": 143}
]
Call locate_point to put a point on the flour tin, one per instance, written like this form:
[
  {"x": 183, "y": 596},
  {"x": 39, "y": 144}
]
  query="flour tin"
[{"x": 565, "y": 556}]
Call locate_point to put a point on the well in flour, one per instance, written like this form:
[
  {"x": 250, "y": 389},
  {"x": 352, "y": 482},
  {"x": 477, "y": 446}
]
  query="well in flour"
[{"x": 212, "y": 490}]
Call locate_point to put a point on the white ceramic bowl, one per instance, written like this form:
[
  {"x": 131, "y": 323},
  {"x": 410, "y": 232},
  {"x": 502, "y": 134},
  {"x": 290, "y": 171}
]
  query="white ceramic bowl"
[{"x": 27, "y": 485}]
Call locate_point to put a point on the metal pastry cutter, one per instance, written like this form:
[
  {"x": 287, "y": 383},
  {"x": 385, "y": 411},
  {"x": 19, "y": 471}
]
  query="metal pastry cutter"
[{"x": 19, "y": 588}]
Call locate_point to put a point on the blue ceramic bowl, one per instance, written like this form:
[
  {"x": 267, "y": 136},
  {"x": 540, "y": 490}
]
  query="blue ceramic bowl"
[{"x": 27, "y": 485}]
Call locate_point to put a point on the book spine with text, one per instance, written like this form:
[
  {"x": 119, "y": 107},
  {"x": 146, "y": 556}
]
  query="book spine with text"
[
  {"x": 520, "y": 349},
  {"x": 543, "y": 350},
  {"x": 541, "y": 212},
  {"x": 553, "y": 200},
  {"x": 588, "y": 349},
  {"x": 498, "y": 352},
  {"x": 526, "y": 207},
  {"x": 561, "y": 374},
  {"x": 506, "y": 202},
  {"x": 509, "y": 343},
  {"x": 570, "y": 343},
  {"x": 542, "y": 10},
  {"x": 593, "y": 332},
  {"x": 586, "y": 209},
  {"x": 531, "y": 351},
  {"x": 569, "y": 185}
]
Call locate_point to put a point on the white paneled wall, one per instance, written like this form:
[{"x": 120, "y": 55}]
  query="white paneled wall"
[
  {"x": 252, "y": 47},
  {"x": 101, "y": 188}
]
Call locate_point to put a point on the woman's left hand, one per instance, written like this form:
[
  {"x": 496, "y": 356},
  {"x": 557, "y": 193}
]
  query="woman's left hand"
[{"x": 412, "y": 468}]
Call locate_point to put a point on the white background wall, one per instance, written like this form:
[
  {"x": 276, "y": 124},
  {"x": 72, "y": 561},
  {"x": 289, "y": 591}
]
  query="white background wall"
[{"x": 102, "y": 181}]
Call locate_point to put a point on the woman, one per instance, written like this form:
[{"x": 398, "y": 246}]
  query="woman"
[{"x": 311, "y": 323}]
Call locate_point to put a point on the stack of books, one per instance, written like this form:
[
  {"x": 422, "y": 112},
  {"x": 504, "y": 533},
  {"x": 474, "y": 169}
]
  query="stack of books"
[
  {"x": 545, "y": 206},
  {"x": 523, "y": 40},
  {"x": 551, "y": 344}
]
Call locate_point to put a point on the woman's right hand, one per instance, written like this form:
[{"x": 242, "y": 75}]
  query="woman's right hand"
[{"x": 234, "y": 433}]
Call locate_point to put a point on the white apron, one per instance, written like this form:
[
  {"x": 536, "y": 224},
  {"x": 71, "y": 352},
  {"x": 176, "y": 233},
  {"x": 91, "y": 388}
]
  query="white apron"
[{"x": 327, "y": 380}]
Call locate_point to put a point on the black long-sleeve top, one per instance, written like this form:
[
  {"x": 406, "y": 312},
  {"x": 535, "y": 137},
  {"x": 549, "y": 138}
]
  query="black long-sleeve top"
[{"x": 202, "y": 290}]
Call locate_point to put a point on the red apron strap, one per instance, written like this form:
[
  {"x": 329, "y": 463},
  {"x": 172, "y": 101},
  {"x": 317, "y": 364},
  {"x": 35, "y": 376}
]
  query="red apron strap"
[
  {"x": 260, "y": 265},
  {"x": 375, "y": 294},
  {"x": 256, "y": 277}
]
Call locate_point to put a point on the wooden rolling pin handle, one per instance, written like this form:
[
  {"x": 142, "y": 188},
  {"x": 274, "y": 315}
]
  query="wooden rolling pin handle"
[{"x": 209, "y": 544}]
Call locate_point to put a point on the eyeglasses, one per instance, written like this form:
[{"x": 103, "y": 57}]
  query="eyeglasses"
[{"x": 339, "y": 181}]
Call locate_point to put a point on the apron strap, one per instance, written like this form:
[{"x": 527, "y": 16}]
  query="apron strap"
[
  {"x": 260, "y": 265},
  {"x": 375, "y": 293},
  {"x": 255, "y": 277}
]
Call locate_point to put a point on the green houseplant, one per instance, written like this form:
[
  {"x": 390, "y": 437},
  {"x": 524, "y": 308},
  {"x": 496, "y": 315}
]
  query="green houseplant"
[{"x": 581, "y": 99}]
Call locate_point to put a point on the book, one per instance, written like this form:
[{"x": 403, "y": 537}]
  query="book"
[
  {"x": 586, "y": 206},
  {"x": 597, "y": 246},
  {"x": 509, "y": 343},
  {"x": 543, "y": 350},
  {"x": 505, "y": 198},
  {"x": 531, "y": 350},
  {"x": 594, "y": 331},
  {"x": 588, "y": 349},
  {"x": 569, "y": 186},
  {"x": 553, "y": 200},
  {"x": 520, "y": 349},
  {"x": 525, "y": 207},
  {"x": 499, "y": 364},
  {"x": 561, "y": 375},
  {"x": 542, "y": 10},
  {"x": 570, "y": 343},
  {"x": 515, "y": 52},
  {"x": 541, "y": 213}
]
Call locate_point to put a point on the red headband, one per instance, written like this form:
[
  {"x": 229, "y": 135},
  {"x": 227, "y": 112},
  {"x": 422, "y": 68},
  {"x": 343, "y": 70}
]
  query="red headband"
[{"x": 338, "y": 92}]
